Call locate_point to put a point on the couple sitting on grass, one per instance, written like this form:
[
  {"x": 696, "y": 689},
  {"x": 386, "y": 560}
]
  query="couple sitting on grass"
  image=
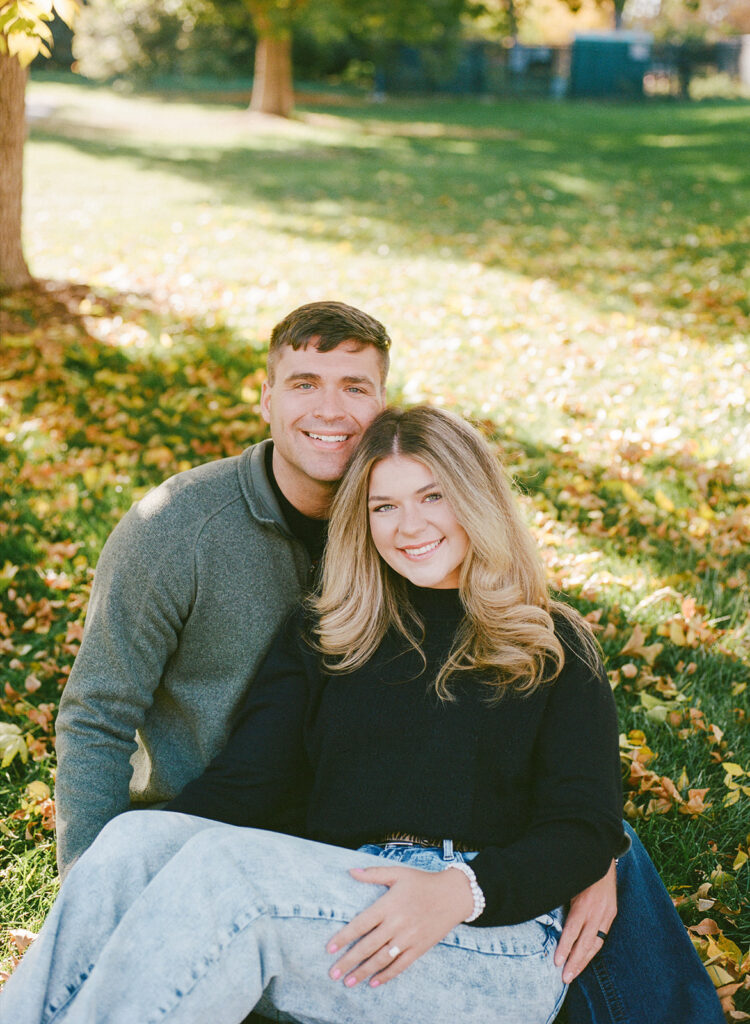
[{"x": 388, "y": 779}]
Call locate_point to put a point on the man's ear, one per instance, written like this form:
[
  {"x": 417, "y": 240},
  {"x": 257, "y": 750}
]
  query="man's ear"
[{"x": 265, "y": 401}]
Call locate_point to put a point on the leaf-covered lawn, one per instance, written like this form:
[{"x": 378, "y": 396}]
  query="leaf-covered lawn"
[{"x": 576, "y": 277}]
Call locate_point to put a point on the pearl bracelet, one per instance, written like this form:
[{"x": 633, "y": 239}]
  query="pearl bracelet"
[{"x": 479, "y": 901}]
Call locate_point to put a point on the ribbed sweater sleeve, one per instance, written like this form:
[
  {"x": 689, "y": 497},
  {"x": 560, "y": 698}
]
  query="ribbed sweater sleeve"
[
  {"x": 262, "y": 776},
  {"x": 576, "y": 825}
]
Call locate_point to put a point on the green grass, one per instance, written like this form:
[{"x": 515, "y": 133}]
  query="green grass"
[{"x": 575, "y": 276}]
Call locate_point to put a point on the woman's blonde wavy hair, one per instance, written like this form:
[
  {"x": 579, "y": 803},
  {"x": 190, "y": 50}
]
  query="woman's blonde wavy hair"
[{"x": 507, "y": 633}]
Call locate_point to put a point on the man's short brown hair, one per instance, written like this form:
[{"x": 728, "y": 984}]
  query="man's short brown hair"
[{"x": 328, "y": 324}]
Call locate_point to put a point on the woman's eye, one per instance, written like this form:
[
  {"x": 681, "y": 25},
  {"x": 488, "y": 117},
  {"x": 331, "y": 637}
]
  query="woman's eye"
[
  {"x": 435, "y": 496},
  {"x": 382, "y": 508}
]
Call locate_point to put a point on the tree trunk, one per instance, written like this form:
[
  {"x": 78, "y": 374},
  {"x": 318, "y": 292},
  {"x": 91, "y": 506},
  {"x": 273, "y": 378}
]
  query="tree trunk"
[
  {"x": 272, "y": 83},
  {"x": 14, "y": 273},
  {"x": 512, "y": 21}
]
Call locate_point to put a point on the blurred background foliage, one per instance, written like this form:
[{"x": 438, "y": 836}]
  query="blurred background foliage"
[{"x": 144, "y": 40}]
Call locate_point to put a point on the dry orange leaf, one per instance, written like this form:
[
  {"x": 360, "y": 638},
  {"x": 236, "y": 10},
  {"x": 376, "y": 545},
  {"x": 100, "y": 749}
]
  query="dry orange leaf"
[
  {"x": 32, "y": 684},
  {"x": 695, "y": 803},
  {"x": 705, "y": 927},
  {"x": 21, "y": 938}
]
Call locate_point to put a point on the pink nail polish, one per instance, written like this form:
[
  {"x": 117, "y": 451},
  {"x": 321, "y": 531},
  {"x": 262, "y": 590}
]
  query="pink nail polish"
[
  {"x": 335, "y": 974},
  {"x": 351, "y": 981},
  {"x": 374, "y": 983},
  {"x": 333, "y": 948}
]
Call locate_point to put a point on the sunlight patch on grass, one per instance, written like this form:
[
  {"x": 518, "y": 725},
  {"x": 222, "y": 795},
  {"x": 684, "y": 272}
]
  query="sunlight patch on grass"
[
  {"x": 701, "y": 140},
  {"x": 574, "y": 185}
]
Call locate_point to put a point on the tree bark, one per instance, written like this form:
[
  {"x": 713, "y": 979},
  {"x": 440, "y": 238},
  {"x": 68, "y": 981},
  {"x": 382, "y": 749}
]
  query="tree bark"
[
  {"x": 14, "y": 273},
  {"x": 273, "y": 92}
]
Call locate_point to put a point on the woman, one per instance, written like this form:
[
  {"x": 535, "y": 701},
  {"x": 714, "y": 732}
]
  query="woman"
[{"x": 433, "y": 709}]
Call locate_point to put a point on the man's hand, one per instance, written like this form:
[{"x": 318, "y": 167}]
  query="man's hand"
[
  {"x": 591, "y": 911},
  {"x": 419, "y": 910}
]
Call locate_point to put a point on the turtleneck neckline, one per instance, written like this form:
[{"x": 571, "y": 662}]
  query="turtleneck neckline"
[{"x": 435, "y": 602}]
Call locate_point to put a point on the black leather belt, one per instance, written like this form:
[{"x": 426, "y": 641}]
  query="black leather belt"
[{"x": 404, "y": 837}]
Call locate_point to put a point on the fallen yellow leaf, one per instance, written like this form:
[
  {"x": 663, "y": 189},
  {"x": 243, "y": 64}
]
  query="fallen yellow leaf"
[
  {"x": 677, "y": 634},
  {"x": 38, "y": 791},
  {"x": 739, "y": 860},
  {"x": 631, "y": 495},
  {"x": 663, "y": 502}
]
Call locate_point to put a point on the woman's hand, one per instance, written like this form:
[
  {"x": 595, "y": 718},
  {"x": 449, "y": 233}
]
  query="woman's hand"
[
  {"x": 591, "y": 911},
  {"x": 419, "y": 910}
]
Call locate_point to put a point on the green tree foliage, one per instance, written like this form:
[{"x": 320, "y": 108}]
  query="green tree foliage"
[
  {"x": 143, "y": 38},
  {"x": 148, "y": 38}
]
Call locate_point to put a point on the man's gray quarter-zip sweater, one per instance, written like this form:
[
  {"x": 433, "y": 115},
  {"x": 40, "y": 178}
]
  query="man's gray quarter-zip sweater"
[{"x": 189, "y": 591}]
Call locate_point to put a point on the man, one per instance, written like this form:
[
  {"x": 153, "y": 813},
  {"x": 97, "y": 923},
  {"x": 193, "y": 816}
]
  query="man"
[
  {"x": 197, "y": 577},
  {"x": 193, "y": 584}
]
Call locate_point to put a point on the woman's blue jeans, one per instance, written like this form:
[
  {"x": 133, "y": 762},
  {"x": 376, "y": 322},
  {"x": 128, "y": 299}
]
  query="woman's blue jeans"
[
  {"x": 173, "y": 918},
  {"x": 647, "y": 971}
]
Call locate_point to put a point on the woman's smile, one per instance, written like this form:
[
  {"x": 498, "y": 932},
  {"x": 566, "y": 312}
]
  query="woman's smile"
[{"x": 425, "y": 549}]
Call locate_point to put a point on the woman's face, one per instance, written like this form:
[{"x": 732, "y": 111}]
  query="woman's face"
[{"x": 412, "y": 524}]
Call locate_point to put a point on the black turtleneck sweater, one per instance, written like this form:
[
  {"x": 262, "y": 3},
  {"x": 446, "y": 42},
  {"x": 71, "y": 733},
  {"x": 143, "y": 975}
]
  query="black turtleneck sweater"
[
  {"x": 533, "y": 782},
  {"x": 313, "y": 533}
]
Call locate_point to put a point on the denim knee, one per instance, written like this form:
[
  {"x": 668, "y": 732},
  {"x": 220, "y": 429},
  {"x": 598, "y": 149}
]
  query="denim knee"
[
  {"x": 125, "y": 839},
  {"x": 131, "y": 828}
]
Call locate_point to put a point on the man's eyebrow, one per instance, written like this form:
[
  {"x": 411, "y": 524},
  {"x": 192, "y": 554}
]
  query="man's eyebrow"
[
  {"x": 300, "y": 375},
  {"x": 308, "y": 376},
  {"x": 387, "y": 497}
]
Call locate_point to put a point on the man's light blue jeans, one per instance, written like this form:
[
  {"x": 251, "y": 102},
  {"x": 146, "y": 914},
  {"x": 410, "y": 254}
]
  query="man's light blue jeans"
[{"x": 173, "y": 918}]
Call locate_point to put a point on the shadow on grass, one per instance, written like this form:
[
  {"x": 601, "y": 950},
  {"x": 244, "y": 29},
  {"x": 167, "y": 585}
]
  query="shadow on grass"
[{"x": 620, "y": 205}]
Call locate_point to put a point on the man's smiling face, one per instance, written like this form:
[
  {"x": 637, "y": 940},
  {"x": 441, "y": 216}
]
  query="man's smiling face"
[{"x": 318, "y": 407}]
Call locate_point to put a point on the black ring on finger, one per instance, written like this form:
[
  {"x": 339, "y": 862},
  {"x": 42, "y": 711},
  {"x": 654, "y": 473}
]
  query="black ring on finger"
[{"x": 602, "y": 935}]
